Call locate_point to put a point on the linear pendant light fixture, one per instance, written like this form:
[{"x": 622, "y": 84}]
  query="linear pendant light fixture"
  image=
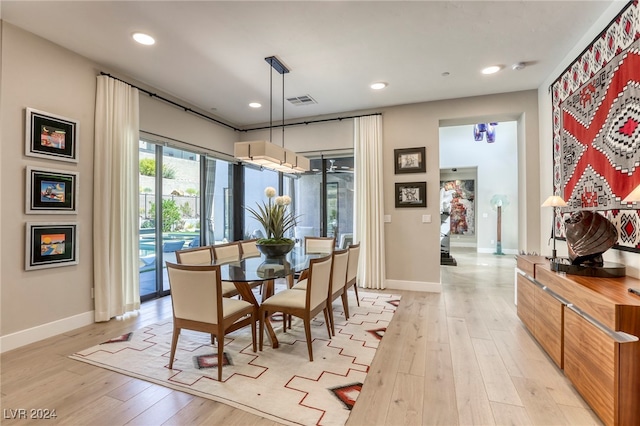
[{"x": 264, "y": 153}]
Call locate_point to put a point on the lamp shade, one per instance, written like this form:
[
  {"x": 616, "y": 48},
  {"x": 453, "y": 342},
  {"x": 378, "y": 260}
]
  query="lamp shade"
[
  {"x": 554, "y": 201},
  {"x": 633, "y": 196},
  {"x": 259, "y": 152},
  {"x": 499, "y": 200},
  {"x": 271, "y": 156}
]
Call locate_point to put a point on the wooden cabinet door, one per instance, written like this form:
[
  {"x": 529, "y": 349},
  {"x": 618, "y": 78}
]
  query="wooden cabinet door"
[
  {"x": 549, "y": 314},
  {"x": 589, "y": 362},
  {"x": 526, "y": 303}
]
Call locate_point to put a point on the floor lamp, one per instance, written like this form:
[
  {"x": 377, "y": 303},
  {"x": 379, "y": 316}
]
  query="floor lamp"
[
  {"x": 554, "y": 201},
  {"x": 498, "y": 202}
]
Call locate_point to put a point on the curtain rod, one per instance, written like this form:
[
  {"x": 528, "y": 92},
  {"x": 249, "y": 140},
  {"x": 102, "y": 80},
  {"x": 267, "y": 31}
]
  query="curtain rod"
[
  {"x": 187, "y": 109},
  {"x": 200, "y": 149},
  {"x": 314, "y": 121}
]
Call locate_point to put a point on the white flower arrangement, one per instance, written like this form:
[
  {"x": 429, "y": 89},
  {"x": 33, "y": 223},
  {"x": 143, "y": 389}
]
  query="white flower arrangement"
[{"x": 274, "y": 217}]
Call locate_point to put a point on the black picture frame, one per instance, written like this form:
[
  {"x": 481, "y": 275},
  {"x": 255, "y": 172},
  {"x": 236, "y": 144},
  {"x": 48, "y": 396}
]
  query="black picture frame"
[
  {"x": 51, "y": 136},
  {"x": 51, "y": 245},
  {"x": 410, "y": 160},
  {"x": 51, "y": 191},
  {"x": 411, "y": 194}
]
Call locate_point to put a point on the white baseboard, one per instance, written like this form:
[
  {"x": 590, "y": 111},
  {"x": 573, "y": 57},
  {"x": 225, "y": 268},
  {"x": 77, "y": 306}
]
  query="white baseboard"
[
  {"x": 414, "y": 286},
  {"x": 493, "y": 250},
  {"x": 34, "y": 334},
  {"x": 471, "y": 244}
]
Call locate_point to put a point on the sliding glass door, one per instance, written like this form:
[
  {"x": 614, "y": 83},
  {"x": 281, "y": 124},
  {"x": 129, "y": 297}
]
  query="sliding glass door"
[
  {"x": 169, "y": 211},
  {"x": 187, "y": 200},
  {"x": 324, "y": 200},
  {"x": 255, "y": 182}
]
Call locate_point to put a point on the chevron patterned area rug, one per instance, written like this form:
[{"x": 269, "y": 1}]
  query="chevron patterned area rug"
[{"x": 278, "y": 384}]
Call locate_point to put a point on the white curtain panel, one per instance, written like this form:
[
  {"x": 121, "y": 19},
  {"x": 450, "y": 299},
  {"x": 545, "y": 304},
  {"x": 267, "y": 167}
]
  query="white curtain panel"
[
  {"x": 369, "y": 205},
  {"x": 115, "y": 205}
]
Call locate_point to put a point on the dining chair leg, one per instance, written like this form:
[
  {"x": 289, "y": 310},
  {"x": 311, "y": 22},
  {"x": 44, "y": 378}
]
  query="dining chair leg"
[
  {"x": 307, "y": 333},
  {"x": 220, "y": 357},
  {"x": 330, "y": 309},
  {"x": 254, "y": 318},
  {"x": 345, "y": 303},
  {"x": 326, "y": 320},
  {"x": 261, "y": 330},
  {"x": 355, "y": 287},
  {"x": 174, "y": 343}
]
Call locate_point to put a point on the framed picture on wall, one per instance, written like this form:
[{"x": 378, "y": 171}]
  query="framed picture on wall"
[
  {"x": 50, "y": 245},
  {"x": 411, "y": 194},
  {"x": 410, "y": 160},
  {"x": 50, "y": 136},
  {"x": 51, "y": 191}
]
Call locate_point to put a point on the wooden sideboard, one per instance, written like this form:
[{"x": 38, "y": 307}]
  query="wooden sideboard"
[{"x": 590, "y": 328}]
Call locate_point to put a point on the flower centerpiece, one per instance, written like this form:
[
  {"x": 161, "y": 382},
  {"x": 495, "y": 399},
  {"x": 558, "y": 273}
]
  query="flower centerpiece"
[{"x": 276, "y": 221}]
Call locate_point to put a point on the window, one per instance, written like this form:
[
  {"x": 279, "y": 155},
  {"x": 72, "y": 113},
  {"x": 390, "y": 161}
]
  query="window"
[{"x": 255, "y": 182}]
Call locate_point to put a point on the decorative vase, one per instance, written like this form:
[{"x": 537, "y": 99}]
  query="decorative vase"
[{"x": 275, "y": 250}]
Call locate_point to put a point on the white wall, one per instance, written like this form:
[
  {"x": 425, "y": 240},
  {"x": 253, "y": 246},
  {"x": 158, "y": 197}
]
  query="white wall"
[
  {"x": 412, "y": 247},
  {"x": 497, "y": 171},
  {"x": 631, "y": 260},
  {"x": 39, "y": 74}
]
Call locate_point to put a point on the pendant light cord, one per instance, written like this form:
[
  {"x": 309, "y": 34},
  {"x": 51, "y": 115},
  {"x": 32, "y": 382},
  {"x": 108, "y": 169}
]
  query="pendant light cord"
[
  {"x": 283, "y": 110},
  {"x": 271, "y": 102}
]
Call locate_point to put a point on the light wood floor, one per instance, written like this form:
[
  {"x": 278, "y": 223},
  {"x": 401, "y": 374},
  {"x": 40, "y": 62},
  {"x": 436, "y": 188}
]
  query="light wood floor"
[{"x": 458, "y": 357}]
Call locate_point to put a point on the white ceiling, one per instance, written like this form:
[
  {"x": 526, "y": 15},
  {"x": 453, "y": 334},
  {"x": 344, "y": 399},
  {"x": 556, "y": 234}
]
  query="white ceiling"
[{"x": 211, "y": 53}]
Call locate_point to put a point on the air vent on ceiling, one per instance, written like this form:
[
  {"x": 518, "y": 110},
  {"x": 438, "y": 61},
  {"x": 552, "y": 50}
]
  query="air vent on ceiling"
[{"x": 302, "y": 100}]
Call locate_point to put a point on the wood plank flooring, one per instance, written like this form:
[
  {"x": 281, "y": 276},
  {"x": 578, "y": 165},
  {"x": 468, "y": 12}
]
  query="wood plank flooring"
[{"x": 458, "y": 357}]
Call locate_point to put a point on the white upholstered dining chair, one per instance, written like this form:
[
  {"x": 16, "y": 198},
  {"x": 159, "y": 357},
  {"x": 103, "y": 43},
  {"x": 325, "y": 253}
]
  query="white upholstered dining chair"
[
  {"x": 232, "y": 252},
  {"x": 337, "y": 286},
  {"x": 249, "y": 248},
  {"x": 319, "y": 244},
  {"x": 196, "y": 298},
  {"x": 303, "y": 304},
  {"x": 227, "y": 251},
  {"x": 204, "y": 256},
  {"x": 195, "y": 256}
]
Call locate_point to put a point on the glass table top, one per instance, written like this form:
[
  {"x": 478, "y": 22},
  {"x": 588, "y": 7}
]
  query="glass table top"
[{"x": 260, "y": 268}]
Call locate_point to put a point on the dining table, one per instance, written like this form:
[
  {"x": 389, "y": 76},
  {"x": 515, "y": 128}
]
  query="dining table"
[{"x": 242, "y": 271}]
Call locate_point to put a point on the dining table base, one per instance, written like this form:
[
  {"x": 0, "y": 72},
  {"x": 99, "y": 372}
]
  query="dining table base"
[{"x": 268, "y": 290}]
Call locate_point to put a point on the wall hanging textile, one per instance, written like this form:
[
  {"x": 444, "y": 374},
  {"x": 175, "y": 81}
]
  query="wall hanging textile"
[{"x": 596, "y": 128}]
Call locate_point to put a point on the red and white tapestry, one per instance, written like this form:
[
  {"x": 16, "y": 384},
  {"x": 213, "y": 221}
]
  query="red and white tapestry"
[{"x": 596, "y": 128}]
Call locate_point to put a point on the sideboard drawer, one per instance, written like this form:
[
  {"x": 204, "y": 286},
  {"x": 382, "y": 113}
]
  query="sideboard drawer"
[
  {"x": 590, "y": 364},
  {"x": 527, "y": 264}
]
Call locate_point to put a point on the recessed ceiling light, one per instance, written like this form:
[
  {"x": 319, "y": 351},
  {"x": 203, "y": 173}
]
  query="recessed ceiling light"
[
  {"x": 143, "y": 38},
  {"x": 379, "y": 85},
  {"x": 445, "y": 74},
  {"x": 492, "y": 69},
  {"x": 255, "y": 105}
]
